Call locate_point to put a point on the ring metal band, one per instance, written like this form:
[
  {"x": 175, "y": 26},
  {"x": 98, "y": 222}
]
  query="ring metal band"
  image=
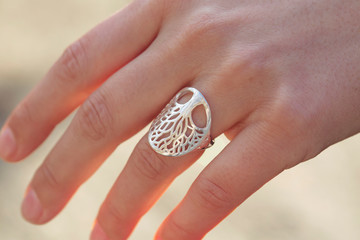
[{"x": 174, "y": 133}]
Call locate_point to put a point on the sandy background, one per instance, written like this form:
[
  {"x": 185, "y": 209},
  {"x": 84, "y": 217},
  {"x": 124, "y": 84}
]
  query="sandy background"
[{"x": 319, "y": 199}]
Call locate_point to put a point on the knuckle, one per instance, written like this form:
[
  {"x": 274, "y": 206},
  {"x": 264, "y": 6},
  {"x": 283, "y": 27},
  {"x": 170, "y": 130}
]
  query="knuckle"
[
  {"x": 212, "y": 195},
  {"x": 22, "y": 114},
  {"x": 202, "y": 21},
  {"x": 148, "y": 163},
  {"x": 249, "y": 62},
  {"x": 96, "y": 117},
  {"x": 112, "y": 213},
  {"x": 47, "y": 175},
  {"x": 201, "y": 25},
  {"x": 73, "y": 60},
  {"x": 287, "y": 116},
  {"x": 208, "y": 24},
  {"x": 293, "y": 119},
  {"x": 174, "y": 228},
  {"x": 285, "y": 123},
  {"x": 248, "y": 65}
]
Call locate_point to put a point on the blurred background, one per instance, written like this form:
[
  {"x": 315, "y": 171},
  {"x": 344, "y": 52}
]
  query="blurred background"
[{"x": 319, "y": 199}]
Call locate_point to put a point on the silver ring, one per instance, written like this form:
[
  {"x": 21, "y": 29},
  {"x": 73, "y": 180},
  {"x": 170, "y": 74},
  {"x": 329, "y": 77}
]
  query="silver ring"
[{"x": 174, "y": 133}]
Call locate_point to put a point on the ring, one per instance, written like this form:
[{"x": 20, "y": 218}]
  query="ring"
[{"x": 174, "y": 133}]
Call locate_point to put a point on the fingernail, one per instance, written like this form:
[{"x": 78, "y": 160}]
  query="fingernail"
[
  {"x": 98, "y": 233},
  {"x": 7, "y": 143},
  {"x": 31, "y": 207}
]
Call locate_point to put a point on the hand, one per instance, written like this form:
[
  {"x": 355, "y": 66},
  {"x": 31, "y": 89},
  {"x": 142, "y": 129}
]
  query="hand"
[{"x": 281, "y": 79}]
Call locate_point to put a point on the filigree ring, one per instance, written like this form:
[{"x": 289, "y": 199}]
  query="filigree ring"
[{"x": 174, "y": 133}]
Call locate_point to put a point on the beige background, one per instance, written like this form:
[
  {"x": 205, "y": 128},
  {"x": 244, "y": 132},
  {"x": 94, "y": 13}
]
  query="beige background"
[{"x": 319, "y": 199}]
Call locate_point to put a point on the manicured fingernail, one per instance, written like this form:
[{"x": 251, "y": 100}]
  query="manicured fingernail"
[
  {"x": 98, "y": 233},
  {"x": 31, "y": 207},
  {"x": 7, "y": 143}
]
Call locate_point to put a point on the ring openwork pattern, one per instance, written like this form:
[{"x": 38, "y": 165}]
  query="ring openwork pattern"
[{"x": 173, "y": 132}]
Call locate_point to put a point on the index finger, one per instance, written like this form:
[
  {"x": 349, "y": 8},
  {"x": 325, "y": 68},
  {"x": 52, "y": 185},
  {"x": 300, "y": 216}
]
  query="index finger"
[{"x": 84, "y": 65}]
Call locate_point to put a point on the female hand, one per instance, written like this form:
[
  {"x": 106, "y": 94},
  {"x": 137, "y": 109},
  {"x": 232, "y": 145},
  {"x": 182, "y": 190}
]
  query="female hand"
[{"x": 281, "y": 79}]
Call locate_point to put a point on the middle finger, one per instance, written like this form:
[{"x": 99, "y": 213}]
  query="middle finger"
[{"x": 124, "y": 104}]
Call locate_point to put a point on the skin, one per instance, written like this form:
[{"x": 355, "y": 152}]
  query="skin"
[{"x": 282, "y": 79}]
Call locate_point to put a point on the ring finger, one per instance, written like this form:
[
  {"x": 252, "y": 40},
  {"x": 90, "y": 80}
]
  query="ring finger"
[{"x": 148, "y": 174}]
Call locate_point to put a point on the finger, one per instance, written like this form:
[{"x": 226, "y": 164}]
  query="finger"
[
  {"x": 147, "y": 174},
  {"x": 81, "y": 69},
  {"x": 123, "y": 105},
  {"x": 144, "y": 178},
  {"x": 254, "y": 157}
]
